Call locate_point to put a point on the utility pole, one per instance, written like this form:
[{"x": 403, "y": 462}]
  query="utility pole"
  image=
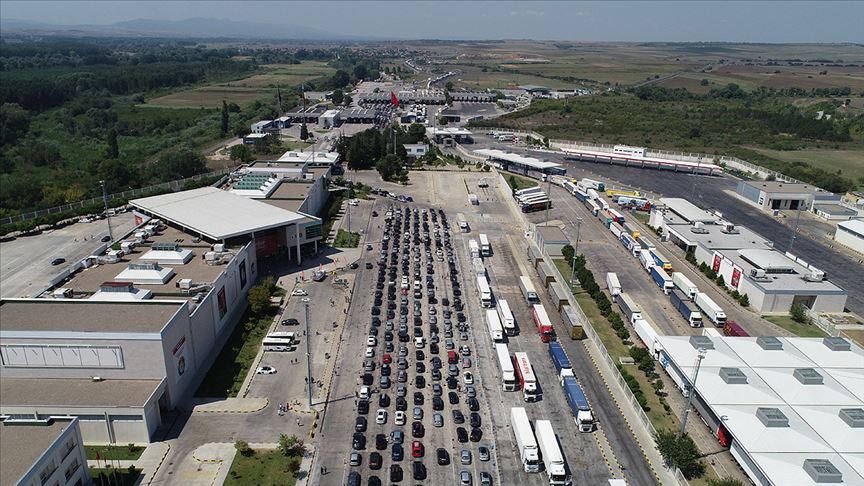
[
  {"x": 308, "y": 357},
  {"x": 107, "y": 216},
  {"x": 692, "y": 388},
  {"x": 795, "y": 231},
  {"x": 549, "y": 196},
  {"x": 575, "y": 252}
]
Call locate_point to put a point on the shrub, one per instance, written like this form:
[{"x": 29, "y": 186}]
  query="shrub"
[
  {"x": 736, "y": 295},
  {"x": 744, "y": 300},
  {"x": 243, "y": 448},
  {"x": 798, "y": 313},
  {"x": 721, "y": 282},
  {"x": 703, "y": 267},
  {"x": 680, "y": 452}
]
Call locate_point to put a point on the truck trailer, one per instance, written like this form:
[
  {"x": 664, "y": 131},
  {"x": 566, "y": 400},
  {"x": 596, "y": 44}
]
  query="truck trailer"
[
  {"x": 527, "y": 378},
  {"x": 553, "y": 459},
  {"x": 648, "y": 335},
  {"x": 528, "y": 290},
  {"x": 529, "y": 453},
  {"x": 484, "y": 291},
  {"x": 562, "y": 363},
  {"x": 505, "y": 366},
  {"x": 733, "y": 329},
  {"x": 544, "y": 324},
  {"x": 662, "y": 279},
  {"x": 712, "y": 311},
  {"x": 629, "y": 307},
  {"x": 496, "y": 332},
  {"x": 686, "y": 308},
  {"x": 645, "y": 260},
  {"x": 596, "y": 185},
  {"x": 684, "y": 284},
  {"x": 474, "y": 248},
  {"x": 578, "y": 405},
  {"x": 508, "y": 322},
  {"x": 613, "y": 285},
  {"x": 485, "y": 247},
  {"x": 660, "y": 260}
]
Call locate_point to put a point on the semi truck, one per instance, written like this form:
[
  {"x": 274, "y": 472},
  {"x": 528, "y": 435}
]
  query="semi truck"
[
  {"x": 526, "y": 192},
  {"x": 613, "y": 285},
  {"x": 616, "y": 229},
  {"x": 553, "y": 459},
  {"x": 660, "y": 260},
  {"x": 569, "y": 187},
  {"x": 527, "y": 378},
  {"x": 578, "y": 404},
  {"x": 478, "y": 267},
  {"x": 528, "y": 290},
  {"x": 686, "y": 308},
  {"x": 485, "y": 247},
  {"x": 733, "y": 329},
  {"x": 662, "y": 279},
  {"x": 575, "y": 320},
  {"x": 484, "y": 291},
  {"x": 645, "y": 260},
  {"x": 474, "y": 248},
  {"x": 638, "y": 203},
  {"x": 596, "y": 185},
  {"x": 544, "y": 325},
  {"x": 645, "y": 242},
  {"x": 562, "y": 363},
  {"x": 508, "y": 322},
  {"x": 632, "y": 230},
  {"x": 629, "y": 307},
  {"x": 496, "y": 332},
  {"x": 615, "y": 215},
  {"x": 630, "y": 243},
  {"x": 505, "y": 364},
  {"x": 684, "y": 284},
  {"x": 593, "y": 207},
  {"x": 581, "y": 196},
  {"x": 529, "y": 453},
  {"x": 711, "y": 310},
  {"x": 648, "y": 335}
]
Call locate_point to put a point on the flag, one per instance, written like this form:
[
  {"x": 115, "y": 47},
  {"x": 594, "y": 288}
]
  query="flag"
[
  {"x": 394, "y": 99},
  {"x": 98, "y": 457}
]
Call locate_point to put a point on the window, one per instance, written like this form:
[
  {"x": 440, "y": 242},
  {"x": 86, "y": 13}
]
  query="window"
[
  {"x": 47, "y": 471},
  {"x": 68, "y": 447},
  {"x": 72, "y": 469},
  {"x": 61, "y": 356}
]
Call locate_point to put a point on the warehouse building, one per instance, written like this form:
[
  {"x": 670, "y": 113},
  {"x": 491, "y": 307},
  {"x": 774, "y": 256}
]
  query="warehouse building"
[
  {"x": 473, "y": 96},
  {"x": 550, "y": 239},
  {"x": 851, "y": 234},
  {"x": 519, "y": 164},
  {"x": 42, "y": 451},
  {"x": 791, "y": 410},
  {"x": 329, "y": 119},
  {"x": 450, "y": 135},
  {"x": 770, "y": 195}
]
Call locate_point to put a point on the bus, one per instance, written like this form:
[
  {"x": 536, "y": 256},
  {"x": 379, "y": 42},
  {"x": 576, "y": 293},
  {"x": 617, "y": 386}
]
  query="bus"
[
  {"x": 280, "y": 341},
  {"x": 484, "y": 291},
  {"x": 505, "y": 364},
  {"x": 540, "y": 205}
]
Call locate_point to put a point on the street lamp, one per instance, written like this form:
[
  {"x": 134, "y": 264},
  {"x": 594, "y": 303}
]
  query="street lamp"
[
  {"x": 308, "y": 364},
  {"x": 692, "y": 388},
  {"x": 107, "y": 216},
  {"x": 575, "y": 252}
]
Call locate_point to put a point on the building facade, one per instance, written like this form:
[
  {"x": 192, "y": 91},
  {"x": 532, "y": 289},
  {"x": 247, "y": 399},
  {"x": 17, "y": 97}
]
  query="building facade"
[{"x": 42, "y": 452}]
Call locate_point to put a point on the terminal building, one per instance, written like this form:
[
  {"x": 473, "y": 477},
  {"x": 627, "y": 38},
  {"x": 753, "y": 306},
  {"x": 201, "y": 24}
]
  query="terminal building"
[
  {"x": 851, "y": 234},
  {"x": 748, "y": 263},
  {"x": 528, "y": 166},
  {"x": 770, "y": 195},
  {"x": 42, "y": 451},
  {"x": 450, "y": 135},
  {"x": 790, "y": 410}
]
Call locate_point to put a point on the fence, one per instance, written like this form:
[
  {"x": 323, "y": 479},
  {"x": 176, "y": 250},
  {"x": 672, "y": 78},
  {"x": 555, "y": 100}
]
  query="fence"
[{"x": 174, "y": 185}]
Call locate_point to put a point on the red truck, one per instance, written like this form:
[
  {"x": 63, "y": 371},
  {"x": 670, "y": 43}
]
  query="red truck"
[
  {"x": 544, "y": 325},
  {"x": 731, "y": 328}
]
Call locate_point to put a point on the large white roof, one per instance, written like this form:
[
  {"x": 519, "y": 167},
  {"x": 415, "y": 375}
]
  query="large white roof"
[
  {"x": 688, "y": 210},
  {"x": 215, "y": 213},
  {"x": 516, "y": 158},
  {"x": 854, "y": 225}
]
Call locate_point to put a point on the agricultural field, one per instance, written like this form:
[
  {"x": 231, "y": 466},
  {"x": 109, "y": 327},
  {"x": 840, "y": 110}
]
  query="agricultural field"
[{"x": 851, "y": 162}]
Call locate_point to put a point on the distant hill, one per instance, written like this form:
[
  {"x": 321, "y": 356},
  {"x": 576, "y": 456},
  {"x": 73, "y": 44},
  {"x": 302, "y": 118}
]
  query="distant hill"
[{"x": 193, "y": 27}]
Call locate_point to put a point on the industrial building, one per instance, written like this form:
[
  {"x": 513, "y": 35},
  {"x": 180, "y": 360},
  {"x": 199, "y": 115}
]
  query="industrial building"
[
  {"x": 329, "y": 119},
  {"x": 450, "y": 135},
  {"x": 770, "y": 195},
  {"x": 748, "y": 263},
  {"x": 520, "y": 164},
  {"x": 851, "y": 234},
  {"x": 473, "y": 96},
  {"x": 416, "y": 150},
  {"x": 42, "y": 451},
  {"x": 550, "y": 239},
  {"x": 417, "y": 96},
  {"x": 638, "y": 157},
  {"x": 791, "y": 410}
]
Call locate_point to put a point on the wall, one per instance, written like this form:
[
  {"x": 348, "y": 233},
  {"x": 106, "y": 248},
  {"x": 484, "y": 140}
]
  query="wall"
[
  {"x": 748, "y": 192},
  {"x": 847, "y": 239},
  {"x": 316, "y": 200}
]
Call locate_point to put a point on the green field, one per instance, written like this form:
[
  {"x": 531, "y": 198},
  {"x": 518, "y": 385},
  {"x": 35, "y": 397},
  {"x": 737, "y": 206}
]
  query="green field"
[
  {"x": 119, "y": 453},
  {"x": 796, "y": 328},
  {"x": 850, "y": 162},
  {"x": 264, "y": 468}
]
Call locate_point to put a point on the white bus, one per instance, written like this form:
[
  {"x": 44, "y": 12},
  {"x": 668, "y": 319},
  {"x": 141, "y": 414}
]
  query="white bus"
[
  {"x": 507, "y": 319},
  {"x": 505, "y": 364},
  {"x": 484, "y": 291},
  {"x": 279, "y": 341}
]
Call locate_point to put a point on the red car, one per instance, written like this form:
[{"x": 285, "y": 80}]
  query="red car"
[
  {"x": 417, "y": 449},
  {"x": 386, "y": 359}
]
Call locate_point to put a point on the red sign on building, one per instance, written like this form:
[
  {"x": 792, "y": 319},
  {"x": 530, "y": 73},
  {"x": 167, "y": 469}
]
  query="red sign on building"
[
  {"x": 717, "y": 260},
  {"x": 736, "y": 277}
]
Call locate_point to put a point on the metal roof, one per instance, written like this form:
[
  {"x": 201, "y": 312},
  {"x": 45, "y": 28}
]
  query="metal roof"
[
  {"x": 215, "y": 213},
  {"x": 517, "y": 159},
  {"x": 688, "y": 210},
  {"x": 854, "y": 226}
]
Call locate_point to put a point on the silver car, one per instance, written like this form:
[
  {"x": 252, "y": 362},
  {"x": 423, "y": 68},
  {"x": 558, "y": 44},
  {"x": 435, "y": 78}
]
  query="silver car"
[
  {"x": 465, "y": 456},
  {"x": 438, "y": 420},
  {"x": 418, "y": 413}
]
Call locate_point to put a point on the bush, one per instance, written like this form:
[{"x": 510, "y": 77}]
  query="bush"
[
  {"x": 259, "y": 296},
  {"x": 735, "y": 295},
  {"x": 568, "y": 252},
  {"x": 744, "y": 300},
  {"x": 798, "y": 313},
  {"x": 721, "y": 282},
  {"x": 290, "y": 445},
  {"x": 703, "y": 267},
  {"x": 725, "y": 482},
  {"x": 243, "y": 448},
  {"x": 680, "y": 452}
]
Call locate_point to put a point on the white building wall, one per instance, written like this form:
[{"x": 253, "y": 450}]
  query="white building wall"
[
  {"x": 316, "y": 198},
  {"x": 756, "y": 296},
  {"x": 830, "y": 303},
  {"x": 849, "y": 240}
]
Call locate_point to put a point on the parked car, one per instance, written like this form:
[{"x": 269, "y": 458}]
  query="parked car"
[{"x": 266, "y": 370}]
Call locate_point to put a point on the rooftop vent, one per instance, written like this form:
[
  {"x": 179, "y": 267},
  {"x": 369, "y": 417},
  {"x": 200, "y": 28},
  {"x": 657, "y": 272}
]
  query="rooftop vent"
[
  {"x": 808, "y": 376},
  {"x": 836, "y": 344},
  {"x": 772, "y": 417},
  {"x": 165, "y": 247},
  {"x": 769, "y": 343},
  {"x": 144, "y": 266},
  {"x": 822, "y": 471},
  {"x": 730, "y": 229},
  {"x": 733, "y": 376},
  {"x": 701, "y": 342},
  {"x": 854, "y": 417}
]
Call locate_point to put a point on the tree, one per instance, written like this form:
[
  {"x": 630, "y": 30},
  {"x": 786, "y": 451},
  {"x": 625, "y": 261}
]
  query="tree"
[
  {"x": 14, "y": 123},
  {"x": 568, "y": 252},
  {"x": 259, "y": 296},
  {"x": 389, "y": 167},
  {"x": 243, "y": 448},
  {"x": 721, "y": 282},
  {"x": 340, "y": 79},
  {"x": 744, "y": 300},
  {"x": 290, "y": 445},
  {"x": 338, "y": 96},
  {"x": 798, "y": 312},
  {"x": 448, "y": 86},
  {"x": 679, "y": 452},
  {"x": 113, "y": 148},
  {"x": 348, "y": 100},
  {"x": 725, "y": 482},
  {"x": 224, "y": 127},
  {"x": 304, "y": 132},
  {"x": 442, "y": 120},
  {"x": 360, "y": 72},
  {"x": 177, "y": 164},
  {"x": 241, "y": 152},
  {"x": 416, "y": 133}
]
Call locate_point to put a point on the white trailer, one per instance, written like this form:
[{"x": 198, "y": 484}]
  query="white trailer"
[
  {"x": 629, "y": 307},
  {"x": 529, "y": 453},
  {"x": 553, "y": 458},
  {"x": 478, "y": 267},
  {"x": 711, "y": 332},
  {"x": 527, "y": 378},
  {"x": 645, "y": 260},
  {"x": 613, "y": 285},
  {"x": 505, "y": 365},
  {"x": 474, "y": 248},
  {"x": 484, "y": 291},
  {"x": 496, "y": 331},
  {"x": 648, "y": 334},
  {"x": 508, "y": 322},
  {"x": 485, "y": 247},
  {"x": 713, "y": 311},
  {"x": 528, "y": 290},
  {"x": 684, "y": 284},
  {"x": 525, "y": 192}
]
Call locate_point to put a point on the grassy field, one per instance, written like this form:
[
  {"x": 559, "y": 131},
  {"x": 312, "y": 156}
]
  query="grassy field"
[
  {"x": 518, "y": 183},
  {"x": 284, "y": 75},
  {"x": 120, "y": 453},
  {"x": 264, "y": 468},
  {"x": 118, "y": 477},
  {"x": 345, "y": 239},
  {"x": 798, "y": 329},
  {"x": 851, "y": 162}
]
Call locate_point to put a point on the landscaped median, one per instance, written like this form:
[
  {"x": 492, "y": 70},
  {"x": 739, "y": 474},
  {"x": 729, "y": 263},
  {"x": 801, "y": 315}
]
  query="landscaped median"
[
  {"x": 266, "y": 467},
  {"x": 130, "y": 452}
]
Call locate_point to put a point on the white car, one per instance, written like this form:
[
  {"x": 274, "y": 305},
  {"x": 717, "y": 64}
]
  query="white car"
[
  {"x": 370, "y": 352},
  {"x": 381, "y": 416},
  {"x": 371, "y": 341},
  {"x": 468, "y": 378},
  {"x": 299, "y": 292},
  {"x": 266, "y": 370},
  {"x": 354, "y": 202},
  {"x": 363, "y": 393},
  {"x": 400, "y": 417}
]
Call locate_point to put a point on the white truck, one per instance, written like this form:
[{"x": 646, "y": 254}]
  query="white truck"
[
  {"x": 508, "y": 322},
  {"x": 613, "y": 285},
  {"x": 553, "y": 459},
  {"x": 711, "y": 310},
  {"x": 527, "y": 378},
  {"x": 473, "y": 199},
  {"x": 485, "y": 247},
  {"x": 505, "y": 365},
  {"x": 496, "y": 332},
  {"x": 528, "y": 290},
  {"x": 484, "y": 291},
  {"x": 629, "y": 307},
  {"x": 684, "y": 284},
  {"x": 529, "y": 453},
  {"x": 521, "y": 193},
  {"x": 474, "y": 248},
  {"x": 648, "y": 334},
  {"x": 478, "y": 267},
  {"x": 645, "y": 260}
]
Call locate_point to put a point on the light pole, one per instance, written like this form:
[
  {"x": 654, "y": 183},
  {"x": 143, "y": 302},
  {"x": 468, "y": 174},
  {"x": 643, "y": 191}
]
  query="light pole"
[
  {"x": 575, "y": 252},
  {"x": 795, "y": 231},
  {"x": 107, "y": 216},
  {"x": 692, "y": 387},
  {"x": 308, "y": 364}
]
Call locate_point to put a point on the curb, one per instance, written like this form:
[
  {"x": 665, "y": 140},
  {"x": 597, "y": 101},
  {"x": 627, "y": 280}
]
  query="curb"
[
  {"x": 159, "y": 465},
  {"x": 266, "y": 403}
]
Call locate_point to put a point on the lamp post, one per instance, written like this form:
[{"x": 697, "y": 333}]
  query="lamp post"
[
  {"x": 575, "y": 252},
  {"x": 107, "y": 216},
  {"x": 692, "y": 387},
  {"x": 308, "y": 364}
]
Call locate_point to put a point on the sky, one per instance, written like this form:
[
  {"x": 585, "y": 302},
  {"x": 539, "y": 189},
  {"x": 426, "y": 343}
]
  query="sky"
[{"x": 677, "y": 21}]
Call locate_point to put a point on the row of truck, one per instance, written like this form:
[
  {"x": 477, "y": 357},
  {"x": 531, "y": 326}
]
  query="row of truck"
[{"x": 532, "y": 199}]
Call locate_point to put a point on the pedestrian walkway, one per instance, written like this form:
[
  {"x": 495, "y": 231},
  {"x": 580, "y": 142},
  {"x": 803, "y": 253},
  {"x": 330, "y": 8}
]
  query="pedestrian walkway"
[
  {"x": 229, "y": 405},
  {"x": 149, "y": 461}
]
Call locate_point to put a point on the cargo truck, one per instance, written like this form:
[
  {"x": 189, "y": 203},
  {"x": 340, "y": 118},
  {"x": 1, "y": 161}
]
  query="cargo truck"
[
  {"x": 615, "y": 215},
  {"x": 630, "y": 244},
  {"x": 575, "y": 320},
  {"x": 593, "y": 207},
  {"x": 508, "y": 322},
  {"x": 660, "y": 260},
  {"x": 527, "y": 378},
  {"x": 528, "y": 290},
  {"x": 562, "y": 363},
  {"x": 485, "y": 247},
  {"x": 474, "y": 248},
  {"x": 529, "y": 454},
  {"x": 505, "y": 366},
  {"x": 628, "y": 306},
  {"x": 616, "y": 230},
  {"x": 662, "y": 279},
  {"x": 686, "y": 308},
  {"x": 648, "y": 335},
  {"x": 478, "y": 267},
  {"x": 527, "y": 192},
  {"x": 613, "y": 285},
  {"x": 544, "y": 325},
  {"x": 484, "y": 291},
  {"x": 632, "y": 231},
  {"x": 496, "y": 332},
  {"x": 645, "y": 260},
  {"x": 569, "y": 187},
  {"x": 645, "y": 242},
  {"x": 581, "y": 196},
  {"x": 578, "y": 405},
  {"x": 732, "y": 329},
  {"x": 596, "y": 185},
  {"x": 553, "y": 459},
  {"x": 684, "y": 284},
  {"x": 710, "y": 309}
]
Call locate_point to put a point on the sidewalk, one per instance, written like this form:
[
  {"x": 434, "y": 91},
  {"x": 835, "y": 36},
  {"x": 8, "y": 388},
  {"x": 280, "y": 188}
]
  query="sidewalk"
[
  {"x": 229, "y": 405},
  {"x": 149, "y": 461}
]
